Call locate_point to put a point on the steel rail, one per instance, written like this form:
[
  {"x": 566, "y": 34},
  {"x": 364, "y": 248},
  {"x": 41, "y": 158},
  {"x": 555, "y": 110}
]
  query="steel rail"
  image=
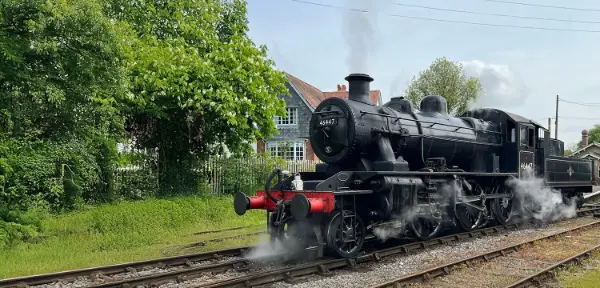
[
  {"x": 547, "y": 273},
  {"x": 121, "y": 268},
  {"x": 324, "y": 267},
  {"x": 445, "y": 269},
  {"x": 162, "y": 278},
  {"x": 189, "y": 259}
]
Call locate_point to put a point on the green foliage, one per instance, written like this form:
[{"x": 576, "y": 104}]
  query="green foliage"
[
  {"x": 17, "y": 226},
  {"x": 247, "y": 174},
  {"x": 47, "y": 174},
  {"x": 61, "y": 69},
  {"x": 594, "y": 134},
  {"x": 199, "y": 80},
  {"x": 445, "y": 78}
]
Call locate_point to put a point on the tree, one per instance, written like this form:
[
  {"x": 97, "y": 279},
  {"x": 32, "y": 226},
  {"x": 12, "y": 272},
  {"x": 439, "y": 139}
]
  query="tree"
[
  {"x": 62, "y": 80},
  {"x": 198, "y": 81},
  {"x": 445, "y": 78},
  {"x": 61, "y": 72},
  {"x": 594, "y": 134}
]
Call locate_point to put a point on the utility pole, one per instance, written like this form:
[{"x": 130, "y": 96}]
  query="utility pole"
[
  {"x": 556, "y": 120},
  {"x": 550, "y": 126}
]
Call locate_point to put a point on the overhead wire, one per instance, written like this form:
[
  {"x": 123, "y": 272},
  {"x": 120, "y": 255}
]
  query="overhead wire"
[
  {"x": 597, "y": 104},
  {"x": 494, "y": 14},
  {"x": 544, "y": 6},
  {"x": 447, "y": 21}
]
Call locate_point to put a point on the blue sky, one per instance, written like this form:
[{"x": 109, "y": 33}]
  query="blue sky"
[{"x": 522, "y": 70}]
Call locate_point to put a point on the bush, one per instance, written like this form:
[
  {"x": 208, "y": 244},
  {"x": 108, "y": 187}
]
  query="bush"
[
  {"x": 46, "y": 174},
  {"x": 18, "y": 226}
]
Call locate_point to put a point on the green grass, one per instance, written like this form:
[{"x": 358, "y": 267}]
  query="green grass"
[
  {"x": 576, "y": 277},
  {"x": 128, "y": 231}
]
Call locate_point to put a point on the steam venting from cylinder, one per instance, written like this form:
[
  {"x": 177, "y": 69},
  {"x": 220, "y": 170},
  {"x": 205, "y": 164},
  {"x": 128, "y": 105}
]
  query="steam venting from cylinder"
[{"x": 359, "y": 87}]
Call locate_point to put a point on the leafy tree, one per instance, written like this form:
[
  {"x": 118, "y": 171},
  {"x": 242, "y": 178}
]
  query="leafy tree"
[
  {"x": 445, "y": 78},
  {"x": 62, "y": 77},
  {"x": 198, "y": 81},
  {"x": 594, "y": 134},
  {"x": 60, "y": 69}
]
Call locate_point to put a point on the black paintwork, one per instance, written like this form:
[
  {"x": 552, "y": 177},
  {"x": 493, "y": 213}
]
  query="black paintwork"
[{"x": 356, "y": 135}]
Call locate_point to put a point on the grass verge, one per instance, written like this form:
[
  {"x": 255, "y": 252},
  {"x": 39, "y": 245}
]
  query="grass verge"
[
  {"x": 586, "y": 275},
  {"x": 127, "y": 231}
]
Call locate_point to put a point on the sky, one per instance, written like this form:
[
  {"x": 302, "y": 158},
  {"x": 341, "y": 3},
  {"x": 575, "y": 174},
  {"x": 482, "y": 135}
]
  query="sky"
[{"x": 521, "y": 70}]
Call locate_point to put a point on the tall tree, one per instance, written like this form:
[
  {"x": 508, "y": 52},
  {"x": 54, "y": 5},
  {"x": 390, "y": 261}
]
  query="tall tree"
[
  {"x": 62, "y": 77},
  {"x": 198, "y": 80},
  {"x": 61, "y": 71},
  {"x": 445, "y": 78}
]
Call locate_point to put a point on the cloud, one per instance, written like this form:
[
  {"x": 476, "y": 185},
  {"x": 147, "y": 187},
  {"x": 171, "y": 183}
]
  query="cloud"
[{"x": 502, "y": 87}]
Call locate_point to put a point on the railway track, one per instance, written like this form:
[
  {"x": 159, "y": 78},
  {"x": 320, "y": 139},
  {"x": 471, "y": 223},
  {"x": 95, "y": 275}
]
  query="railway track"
[
  {"x": 191, "y": 266},
  {"x": 526, "y": 260},
  {"x": 113, "y": 270},
  {"x": 325, "y": 267}
]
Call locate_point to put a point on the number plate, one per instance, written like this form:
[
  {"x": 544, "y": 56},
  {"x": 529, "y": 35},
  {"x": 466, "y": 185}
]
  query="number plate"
[{"x": 328, "y": 122}]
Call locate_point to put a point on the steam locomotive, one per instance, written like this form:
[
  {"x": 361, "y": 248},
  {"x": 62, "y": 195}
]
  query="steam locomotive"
[{"x": 414, "y": 172}]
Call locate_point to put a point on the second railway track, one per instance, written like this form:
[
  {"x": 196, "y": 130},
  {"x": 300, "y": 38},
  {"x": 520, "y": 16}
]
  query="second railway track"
[{"x": 229, "y": 263}]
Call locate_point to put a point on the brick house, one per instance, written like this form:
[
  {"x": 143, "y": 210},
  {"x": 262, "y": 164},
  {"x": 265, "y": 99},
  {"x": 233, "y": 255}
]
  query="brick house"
[
  {"x": 293, "y": 143},
  {"x": 589, "y": 151}
]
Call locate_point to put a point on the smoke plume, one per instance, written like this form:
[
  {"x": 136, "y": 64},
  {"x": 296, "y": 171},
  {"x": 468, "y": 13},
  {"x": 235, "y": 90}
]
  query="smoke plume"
[
  {"x": 359, "y": 34},
  {"x": 547, "y": 203}
]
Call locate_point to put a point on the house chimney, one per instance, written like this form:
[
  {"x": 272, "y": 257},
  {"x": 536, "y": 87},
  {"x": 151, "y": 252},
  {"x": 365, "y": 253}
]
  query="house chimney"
[
  {"x": 359, "y": 87},
  {"x": 584, "y": 138},
  {"x": 339, "y": 87}
]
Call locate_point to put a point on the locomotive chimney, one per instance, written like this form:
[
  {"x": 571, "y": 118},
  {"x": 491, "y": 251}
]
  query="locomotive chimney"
[
  {"x": 359, "y": 88},
  {"x": 584, "y": 138}
]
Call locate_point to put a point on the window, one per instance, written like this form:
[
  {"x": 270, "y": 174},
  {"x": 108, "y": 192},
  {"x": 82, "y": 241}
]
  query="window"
[
  {"x": 531, "y": 137},
  {"x": 291, "y": 119},
  {"x": 523, "y": 136},
  {"x": 288, "y": 150},
  {"x": 512, "y": 135}
]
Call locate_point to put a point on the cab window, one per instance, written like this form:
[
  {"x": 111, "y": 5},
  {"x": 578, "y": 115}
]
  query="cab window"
[{"x": 523, "y": 136}]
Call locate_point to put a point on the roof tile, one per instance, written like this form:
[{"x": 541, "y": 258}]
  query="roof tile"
[{"x": 314, "y": 96}]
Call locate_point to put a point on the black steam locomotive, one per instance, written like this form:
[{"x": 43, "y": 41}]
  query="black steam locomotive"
[{"x": 390, "y": 167}]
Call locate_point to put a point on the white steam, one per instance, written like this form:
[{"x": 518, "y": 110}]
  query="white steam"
[
  {"x": 397, "y": 225},
  {"x": 359, "y": 34},
  {"x": 265, "y": 250},
  {"x": 543, "y": 203}
]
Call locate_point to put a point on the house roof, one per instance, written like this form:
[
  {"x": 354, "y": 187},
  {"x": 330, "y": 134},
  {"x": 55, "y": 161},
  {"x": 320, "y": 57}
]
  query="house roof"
[
  {"x": 314, "y": 96},
  {"x": 374, "y": 94},
  {"x": 590, "y": 155},
  {"x": 597, "y": 144}
]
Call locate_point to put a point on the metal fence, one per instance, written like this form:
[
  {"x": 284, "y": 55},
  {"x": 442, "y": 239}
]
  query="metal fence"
[
  {"x": 230, "y": 175},
  {"x": 217, "y": 175}
]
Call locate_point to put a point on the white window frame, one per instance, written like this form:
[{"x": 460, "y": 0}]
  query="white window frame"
[
  {"x": 294, "y": 144},
  {"x": 290, "y": 121}
]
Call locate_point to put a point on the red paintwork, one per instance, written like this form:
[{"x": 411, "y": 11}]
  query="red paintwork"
[
  {"x": 257, "y": 202},
  {"x": 319, "y": 201}
]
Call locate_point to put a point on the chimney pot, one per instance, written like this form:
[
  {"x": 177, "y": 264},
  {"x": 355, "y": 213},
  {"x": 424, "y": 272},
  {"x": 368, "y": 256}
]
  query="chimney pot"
[
  {"x": 584, "y": 138},
  {"x": 344, "y": 87},
  {"x": 339, "y": 87}
]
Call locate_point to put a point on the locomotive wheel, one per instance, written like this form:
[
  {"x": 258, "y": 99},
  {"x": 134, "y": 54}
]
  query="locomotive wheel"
[
  {"x": 502, "y": 207},
  {"x": 346, "y": 240},
  {"x": 293, "y": 236},
  {"x": 470, "y": 218},
  {"x": 427, "y": 225}
]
